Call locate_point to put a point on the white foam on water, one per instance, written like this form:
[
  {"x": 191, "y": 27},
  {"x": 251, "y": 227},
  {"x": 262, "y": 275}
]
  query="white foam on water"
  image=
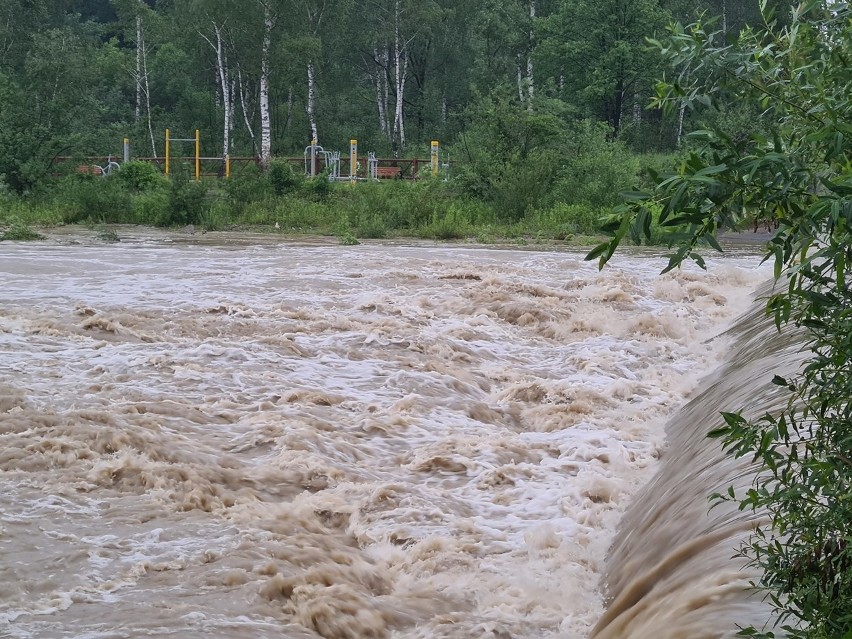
[{"x": 372, "y": 441}]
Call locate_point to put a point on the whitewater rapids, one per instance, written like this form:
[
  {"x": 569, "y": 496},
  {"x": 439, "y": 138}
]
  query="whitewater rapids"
[{"x": 280, "y": 440}]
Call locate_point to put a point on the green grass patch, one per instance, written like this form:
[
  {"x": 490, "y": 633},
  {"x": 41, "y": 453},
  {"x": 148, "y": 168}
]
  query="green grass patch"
[{"x": 286, "y": 203}]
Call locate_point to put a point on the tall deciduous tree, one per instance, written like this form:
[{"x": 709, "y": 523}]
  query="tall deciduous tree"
[{"x": 611, "y": 65}]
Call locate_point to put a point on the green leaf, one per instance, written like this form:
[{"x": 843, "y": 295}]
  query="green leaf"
[
  {"x": 596, "y": 252},
  {"x": 713, "y": 242}
]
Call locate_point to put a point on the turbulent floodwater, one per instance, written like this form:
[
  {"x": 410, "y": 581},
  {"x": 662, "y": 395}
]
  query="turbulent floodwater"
[{"x": 261, "y": 441}]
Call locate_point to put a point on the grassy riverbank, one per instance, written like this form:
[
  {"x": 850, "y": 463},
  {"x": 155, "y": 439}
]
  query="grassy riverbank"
[{"x": 284, "y": 202}]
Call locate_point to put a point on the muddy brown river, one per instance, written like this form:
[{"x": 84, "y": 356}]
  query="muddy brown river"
[{"x": 265, "y": 440}]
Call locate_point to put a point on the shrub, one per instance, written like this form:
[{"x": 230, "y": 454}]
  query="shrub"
[
  {"x": 455, "y": 224},
  {"x": 141, "y": 176},
  {"x": 247, "y": 187},
  {"x": 347, "y": 239},
  {"x": 371, "y": 228},
  {"x": 518, "y": 188},
  {"x": 283, "y": 178},
  {"x": 86, "y": 197},
  {"x": 185, "y": 204},
  {"x": 151, "y": 208},
  {"x": 595, "y": 168},
  {"x": 108, "y": 235},
  {"x": 320, "y": 187},
  {"x": 20, "y": 232},
  {"x": 215, "y": 217},
  {"x": 300, "y": 214},
  {"x": 37, "y": 213}
]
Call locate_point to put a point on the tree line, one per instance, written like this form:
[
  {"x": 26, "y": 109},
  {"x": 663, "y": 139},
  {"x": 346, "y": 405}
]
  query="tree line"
[{"x": 265, "y": 77}]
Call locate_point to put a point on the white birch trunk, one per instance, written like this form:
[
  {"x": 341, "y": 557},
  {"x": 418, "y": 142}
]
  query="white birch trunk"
[
  {"x": 147, "y": 91},
  {"x": 520, "y": 82},
  {"x": 380, "y": 82},
  {"x": 289, "y": 108},
  {"x": 400, "y": 61},
  {"x": 244, "y": 105},
  {"x": 386, "y": 92},
  {"x": 681, "y": 115},
  {"x": 530, "y": 51},
  {"x": 680, "y": 118},
  {"x": 138, "y": 68},
  {"x": 224, "y": 80},
  {"x": 233, "y": 107},
  {"x": 724, "y": 17},
  {"x": 311, "y": 106},
  {"x": 265, "y": 120}
]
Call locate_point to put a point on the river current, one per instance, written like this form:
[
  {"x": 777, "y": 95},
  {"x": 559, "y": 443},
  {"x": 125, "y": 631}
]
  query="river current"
[{"x": 271, "y": 440}]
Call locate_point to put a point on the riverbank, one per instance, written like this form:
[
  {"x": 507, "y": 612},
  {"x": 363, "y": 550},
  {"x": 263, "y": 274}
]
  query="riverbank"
[{"x": 83, "y": 234}]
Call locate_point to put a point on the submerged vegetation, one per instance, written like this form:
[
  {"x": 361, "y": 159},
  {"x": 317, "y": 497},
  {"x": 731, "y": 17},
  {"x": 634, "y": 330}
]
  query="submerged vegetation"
[{"x": 20, "y": 232}]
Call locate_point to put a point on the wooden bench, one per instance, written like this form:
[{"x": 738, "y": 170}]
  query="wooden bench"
[{"x": 388, "y": 172}]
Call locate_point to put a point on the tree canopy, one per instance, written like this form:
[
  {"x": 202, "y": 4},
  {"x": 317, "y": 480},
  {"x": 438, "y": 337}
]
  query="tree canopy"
[{"x": 266, "y": 76}]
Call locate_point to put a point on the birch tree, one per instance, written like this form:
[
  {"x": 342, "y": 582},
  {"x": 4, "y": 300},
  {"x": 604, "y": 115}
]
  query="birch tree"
[
  {"x": 223, "y": 72},
  {"x": 317, "y": 22},
  {"x": 531, "y": 51},
  {"x": 270, "y": 10},
  {"x": 135, "y": 15}
]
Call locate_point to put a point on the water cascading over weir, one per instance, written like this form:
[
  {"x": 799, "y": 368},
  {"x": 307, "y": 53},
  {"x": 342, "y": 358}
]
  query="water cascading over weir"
[{"x": 673, "y": 570}]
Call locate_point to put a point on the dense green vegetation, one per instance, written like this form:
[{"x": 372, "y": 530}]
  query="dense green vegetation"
[
  {"x": 800, "y": 176},
  {"x": 540, "y": 105},
  {"x": 543, "y": 107}
]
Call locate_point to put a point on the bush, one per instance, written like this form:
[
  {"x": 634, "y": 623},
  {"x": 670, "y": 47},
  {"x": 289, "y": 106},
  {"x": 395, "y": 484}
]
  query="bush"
[
  {"x": 247, "y": 187},
  {"x": 372, "y": 228},
  {"x": 185, "y": 204},
  {"x": 141, "y": 176},
  {"x": 151, "y": 208},
  {"x": 595, "y": 169},
  {"x": 86, "y": 197},
  {"x": 455, "y": 224},
  {"x": 38, "y": 213},
  {"x": 283, "y": 178},
  {"x": 215, "y": 217},
  {"x": 20, "y": 232},
  {"x": 320, "y": 187},
  {"x": 519, "y": 188}
]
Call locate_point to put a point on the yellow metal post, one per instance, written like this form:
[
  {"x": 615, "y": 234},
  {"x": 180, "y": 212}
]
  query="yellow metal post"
[
  {"x": 227, "y": 166},
  {"x": 435, "y": 150},
  {"x": 353, "y": 160},
  {"x": 197, "y": 155},
  {"x": 168, "y": 149}
]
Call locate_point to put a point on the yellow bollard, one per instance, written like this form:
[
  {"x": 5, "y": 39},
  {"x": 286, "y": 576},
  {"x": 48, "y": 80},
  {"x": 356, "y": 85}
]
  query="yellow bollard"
[{"x": 435, "y": 150}]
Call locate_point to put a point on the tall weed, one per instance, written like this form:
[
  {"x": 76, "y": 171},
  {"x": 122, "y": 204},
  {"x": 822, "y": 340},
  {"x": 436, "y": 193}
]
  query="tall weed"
[{"x": 86, "y": 197}]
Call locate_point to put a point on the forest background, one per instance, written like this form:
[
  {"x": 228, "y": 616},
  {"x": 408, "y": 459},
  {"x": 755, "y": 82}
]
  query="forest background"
[{"x": 540, "y": 105}]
